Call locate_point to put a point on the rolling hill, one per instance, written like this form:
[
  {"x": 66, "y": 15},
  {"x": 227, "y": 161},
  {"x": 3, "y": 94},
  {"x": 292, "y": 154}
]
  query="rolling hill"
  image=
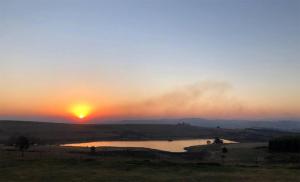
[{"x": 63, "y": 133}]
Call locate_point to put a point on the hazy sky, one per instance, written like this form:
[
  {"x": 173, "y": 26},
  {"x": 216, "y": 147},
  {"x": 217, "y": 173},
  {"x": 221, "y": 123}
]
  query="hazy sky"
[{"x": 150, "y": 58}]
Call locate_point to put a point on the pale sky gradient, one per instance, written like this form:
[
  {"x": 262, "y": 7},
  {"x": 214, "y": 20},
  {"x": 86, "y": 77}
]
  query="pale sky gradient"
[{"x": 150, "y": 58}]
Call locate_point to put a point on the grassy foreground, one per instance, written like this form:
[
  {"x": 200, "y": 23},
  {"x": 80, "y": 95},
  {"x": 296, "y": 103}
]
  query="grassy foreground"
[{"x": 69, "y": 164}]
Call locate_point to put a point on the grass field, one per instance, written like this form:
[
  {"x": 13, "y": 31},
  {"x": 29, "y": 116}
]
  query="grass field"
[{"x": 52, "y": 163}]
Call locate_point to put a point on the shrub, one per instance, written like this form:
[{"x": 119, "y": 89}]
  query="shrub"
[
  {"x": 22, "y": 143},
  {"x": 217, "y": 140},
  {"x": 224, "y": 150}
]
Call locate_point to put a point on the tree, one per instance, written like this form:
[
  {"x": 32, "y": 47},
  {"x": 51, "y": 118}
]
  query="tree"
[
  {"x": 217, "y": 140},
  {"x": 224, "y": 150},
  {"x": 22, "y": 143}
]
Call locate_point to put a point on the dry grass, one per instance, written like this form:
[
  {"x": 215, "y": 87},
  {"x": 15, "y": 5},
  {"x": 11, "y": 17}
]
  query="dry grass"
[{"x": 53, "y": 163}]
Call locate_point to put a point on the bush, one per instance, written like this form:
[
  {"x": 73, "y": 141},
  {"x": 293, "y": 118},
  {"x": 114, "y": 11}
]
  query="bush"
[
  {"x": 12, "y": 141},
  {"x": 217, "y": 140},
  {"x": 224, "y": 150}
]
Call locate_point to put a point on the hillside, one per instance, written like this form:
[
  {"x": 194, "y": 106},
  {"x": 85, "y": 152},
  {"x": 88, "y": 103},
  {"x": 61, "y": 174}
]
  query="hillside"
[
  {"x": 61, "y": 133},
  {"x": 293, "y": 126}
]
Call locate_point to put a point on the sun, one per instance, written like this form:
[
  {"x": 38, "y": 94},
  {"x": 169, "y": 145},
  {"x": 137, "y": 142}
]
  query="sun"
[{"x": 81, "y": 111}]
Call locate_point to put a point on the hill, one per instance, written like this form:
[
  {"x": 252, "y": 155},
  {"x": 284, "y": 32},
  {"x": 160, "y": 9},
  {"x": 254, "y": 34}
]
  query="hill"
[
  {"x": 285, "y": 125},
  {"x": 62, "y": 133}
]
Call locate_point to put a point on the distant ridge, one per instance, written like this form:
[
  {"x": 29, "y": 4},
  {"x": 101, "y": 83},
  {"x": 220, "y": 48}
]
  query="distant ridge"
[{"x": 283, "y": 125}]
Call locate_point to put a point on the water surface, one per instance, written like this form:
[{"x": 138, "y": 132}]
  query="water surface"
[{"x": 165, "y": 145}]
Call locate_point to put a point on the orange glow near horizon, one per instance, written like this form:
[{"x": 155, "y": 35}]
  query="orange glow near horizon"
[
  {"x": 81, "y": 111},
  {"x": 207, "y": 99}
]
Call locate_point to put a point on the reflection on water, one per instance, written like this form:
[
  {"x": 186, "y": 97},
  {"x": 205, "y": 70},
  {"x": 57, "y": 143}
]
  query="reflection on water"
[{"x": 171, "y": 146}]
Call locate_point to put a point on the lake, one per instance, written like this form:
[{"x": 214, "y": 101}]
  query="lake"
[{"x": 164, "y": 145}]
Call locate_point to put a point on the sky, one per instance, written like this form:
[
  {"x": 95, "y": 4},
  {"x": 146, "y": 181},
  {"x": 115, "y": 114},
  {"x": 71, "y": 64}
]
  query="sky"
[{"x": 117, "y": 59}]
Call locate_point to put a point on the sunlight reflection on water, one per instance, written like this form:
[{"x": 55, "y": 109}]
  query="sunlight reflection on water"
[{"x": 171, "y": 146}]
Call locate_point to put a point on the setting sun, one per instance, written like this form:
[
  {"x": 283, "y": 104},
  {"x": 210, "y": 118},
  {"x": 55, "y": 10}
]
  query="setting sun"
[{"x": 81, "y": 110}]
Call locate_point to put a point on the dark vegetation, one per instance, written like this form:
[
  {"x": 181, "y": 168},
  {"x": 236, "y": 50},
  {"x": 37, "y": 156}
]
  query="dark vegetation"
[
  {"x": 285, "y": 144},
  {"x": 22, "y": 143},
  {"x": 55, "y": 133},
  {"x": 242, "y": 162},
  {"x": 217, "y": 140},
  {"x": 214, "y": 162}
]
